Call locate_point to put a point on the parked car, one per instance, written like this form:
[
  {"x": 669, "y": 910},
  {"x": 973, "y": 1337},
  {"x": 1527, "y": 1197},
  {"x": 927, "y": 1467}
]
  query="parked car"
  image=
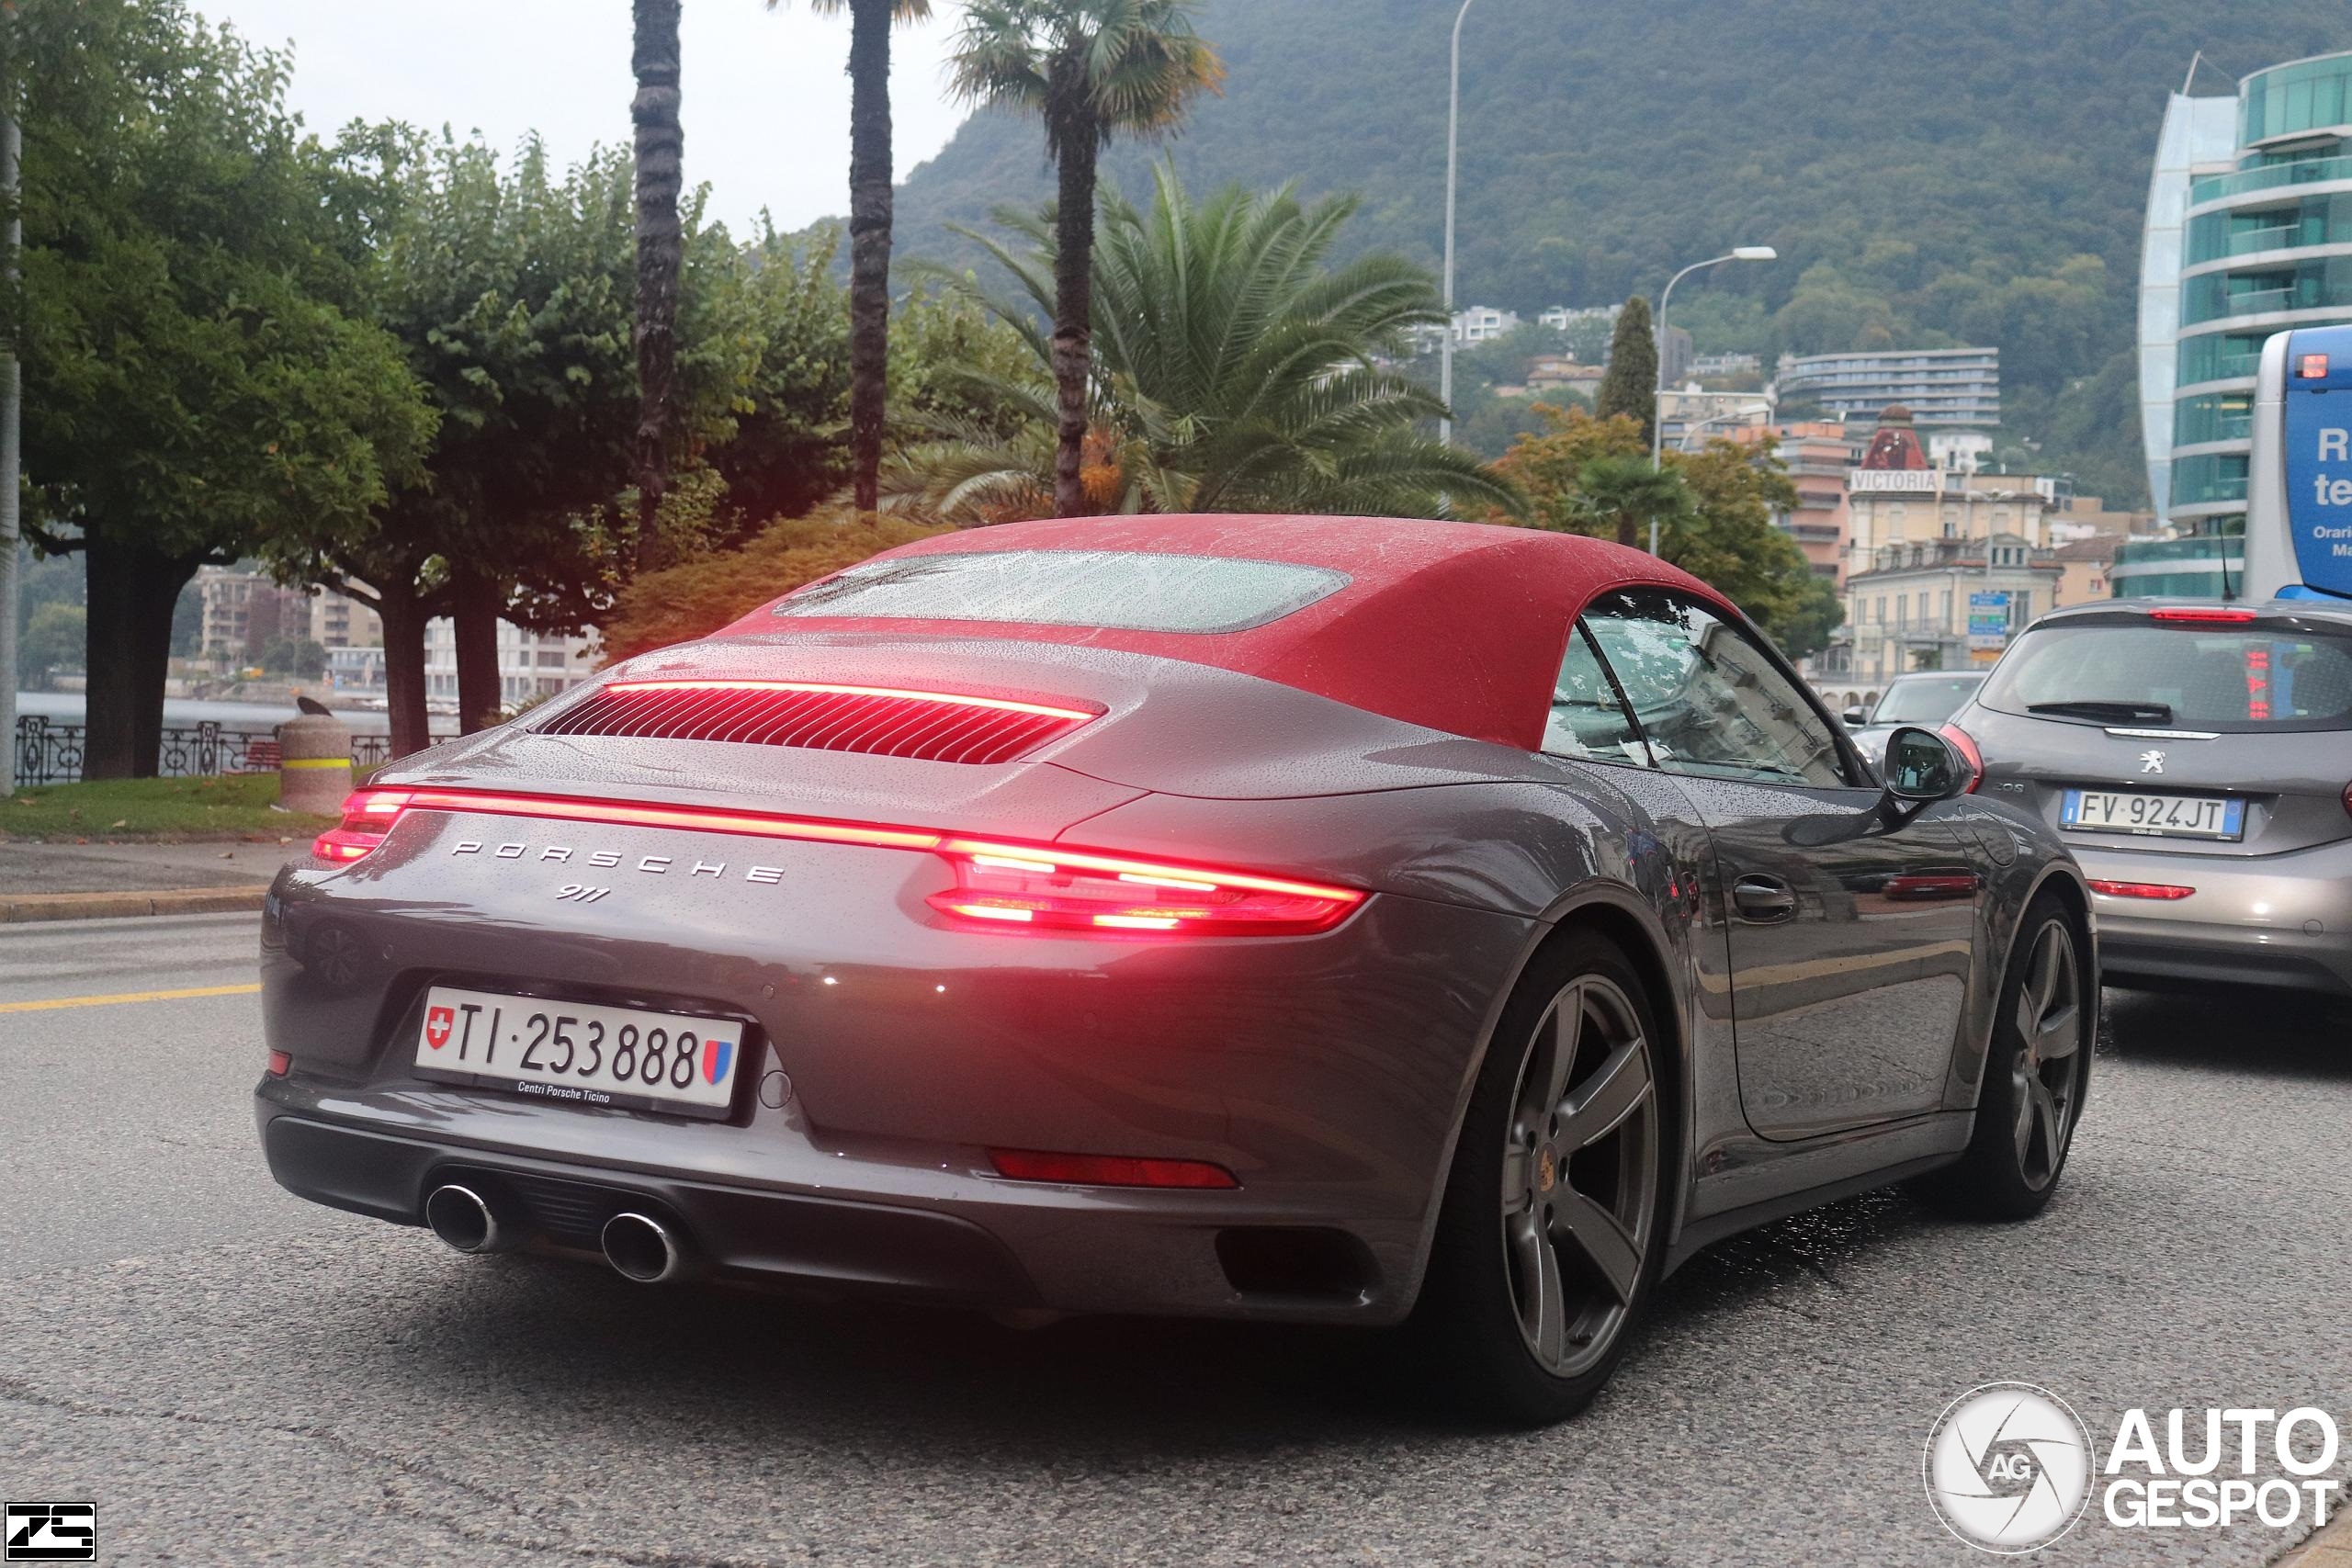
[
  {"x": 1310, "y": 919},
  {"x": 2194, "y": 756},
  {"x": 1924, "y": 698}
]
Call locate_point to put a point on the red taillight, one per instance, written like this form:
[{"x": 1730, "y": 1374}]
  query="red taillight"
[
  {"x": 2201, "y": 614},
  {"x": 367, "y": 817},
  {"x": 2311, "y": 367},
  {"x": 1966, "y": 744},
  {"x": 2347, "y": 798},
  {"x": 1106, "y": 1171},
  {"x": 280, "y": 1063},
  {"x": 2164, "y": 890},
  {"x": 999, "y": 885},
  {"x": 1039, "y": 887}
]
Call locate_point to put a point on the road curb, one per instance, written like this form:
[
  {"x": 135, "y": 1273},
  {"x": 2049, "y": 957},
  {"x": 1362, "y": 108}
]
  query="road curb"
[
  {"x": 30, "y": 907},
  {"x": 2330, "y": 1548}
]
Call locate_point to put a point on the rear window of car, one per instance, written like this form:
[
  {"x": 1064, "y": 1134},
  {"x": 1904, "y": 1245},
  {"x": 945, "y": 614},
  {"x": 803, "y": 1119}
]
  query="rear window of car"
[
  {"x": 1924, "y": 702},
  {"x": 2236, "y": 682},
  {"x": 1117, "y": 590}
]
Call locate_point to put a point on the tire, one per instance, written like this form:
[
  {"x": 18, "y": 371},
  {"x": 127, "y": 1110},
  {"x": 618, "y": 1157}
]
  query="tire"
[
  {"x": 2037, "y": 1071},
  {"x": 1552, "y": 1228}
]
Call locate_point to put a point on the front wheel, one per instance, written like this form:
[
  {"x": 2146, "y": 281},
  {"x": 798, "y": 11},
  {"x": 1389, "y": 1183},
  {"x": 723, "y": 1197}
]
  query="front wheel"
[
  {"x": 2035, "y": 1073},
  {"x": 1548, "y": 1240}
]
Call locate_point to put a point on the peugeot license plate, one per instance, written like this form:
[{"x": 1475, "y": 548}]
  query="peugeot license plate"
[
  {"x": 2156, "y": 816},
  {"x": 581, "y": 1054}
]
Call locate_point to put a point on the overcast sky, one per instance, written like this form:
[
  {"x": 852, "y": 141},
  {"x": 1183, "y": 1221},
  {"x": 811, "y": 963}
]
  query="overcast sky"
[{"x": 766, "y": 103}]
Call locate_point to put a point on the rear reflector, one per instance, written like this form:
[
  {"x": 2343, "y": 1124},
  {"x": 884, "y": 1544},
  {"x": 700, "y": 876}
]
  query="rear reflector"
[
  {"x": 2140, "y": 890},
  {"x": 280, "y": 1063},
  {"x": 888, "y": 721},
  {"x": 2200, "y": 615},
  {"x": 999, "y": 885},
  {"x": 1106, "y": 1170}
]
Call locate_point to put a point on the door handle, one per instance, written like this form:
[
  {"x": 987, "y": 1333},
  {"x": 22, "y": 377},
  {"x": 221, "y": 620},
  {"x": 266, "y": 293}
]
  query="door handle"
[{"x": 1763, "y": 898}]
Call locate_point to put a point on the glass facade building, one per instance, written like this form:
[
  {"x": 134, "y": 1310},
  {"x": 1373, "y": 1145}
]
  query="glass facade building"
[
  {"x": 2249, "y": 233},
  {"x": 1941, "y": 387}
]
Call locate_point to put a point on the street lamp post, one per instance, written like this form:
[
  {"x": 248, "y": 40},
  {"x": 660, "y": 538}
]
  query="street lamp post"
[
  {"x": 1657, "y": 388},
  {"x": 1452, "y": 146}
]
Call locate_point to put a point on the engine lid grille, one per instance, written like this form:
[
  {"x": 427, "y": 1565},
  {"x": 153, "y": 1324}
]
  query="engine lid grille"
[{"x": 935, "y": 727}]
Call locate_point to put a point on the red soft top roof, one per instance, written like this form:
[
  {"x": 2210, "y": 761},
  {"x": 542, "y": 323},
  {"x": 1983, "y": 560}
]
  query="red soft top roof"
[{"x": 1460, "y": 627}]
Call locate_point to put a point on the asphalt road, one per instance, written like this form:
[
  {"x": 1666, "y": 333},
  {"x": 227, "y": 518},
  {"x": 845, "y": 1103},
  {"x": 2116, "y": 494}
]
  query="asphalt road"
[{"x": 236, "y": 1377}]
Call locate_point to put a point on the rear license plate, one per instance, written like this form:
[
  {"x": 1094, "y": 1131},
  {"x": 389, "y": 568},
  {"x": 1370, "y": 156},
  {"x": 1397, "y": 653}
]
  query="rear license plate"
[
  {"x": 2155, "y": 815},
  {"x": 580, "y": 1054}
]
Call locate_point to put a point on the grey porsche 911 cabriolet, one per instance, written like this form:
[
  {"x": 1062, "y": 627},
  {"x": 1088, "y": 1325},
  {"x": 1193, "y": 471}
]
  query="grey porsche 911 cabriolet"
[{"x": 1346, "y": 920}]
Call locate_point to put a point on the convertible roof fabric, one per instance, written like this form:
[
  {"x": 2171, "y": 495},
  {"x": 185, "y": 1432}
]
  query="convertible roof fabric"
[{"x": 1458, "y": 626}]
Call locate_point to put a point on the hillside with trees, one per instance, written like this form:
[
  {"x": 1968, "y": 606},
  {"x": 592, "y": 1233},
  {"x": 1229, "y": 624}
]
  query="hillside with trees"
[{"x": 1971, "y": 175}]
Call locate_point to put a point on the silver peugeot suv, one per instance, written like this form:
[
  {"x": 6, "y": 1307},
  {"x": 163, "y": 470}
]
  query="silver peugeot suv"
[{"x": 2195, "y": 757}]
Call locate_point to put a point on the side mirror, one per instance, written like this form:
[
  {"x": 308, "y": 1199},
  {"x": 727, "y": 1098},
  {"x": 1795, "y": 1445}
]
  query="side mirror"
[
  {"x": 1921, "y": 766},
  {"x": 1854, "y": 716}
]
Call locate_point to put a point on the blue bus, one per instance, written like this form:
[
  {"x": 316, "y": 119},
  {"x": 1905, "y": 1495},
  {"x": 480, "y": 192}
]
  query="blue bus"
[{"x": 2299, "y": 499}]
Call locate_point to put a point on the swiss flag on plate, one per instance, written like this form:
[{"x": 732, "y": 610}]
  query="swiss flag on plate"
[{"x": 438, "y": 1024}]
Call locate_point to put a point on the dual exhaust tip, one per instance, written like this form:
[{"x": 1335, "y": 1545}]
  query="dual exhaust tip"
[{"x": 638, "y": 1247}]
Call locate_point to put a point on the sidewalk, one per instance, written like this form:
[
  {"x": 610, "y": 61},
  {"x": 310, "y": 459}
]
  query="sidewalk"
[{"x": 65, "y": 882}]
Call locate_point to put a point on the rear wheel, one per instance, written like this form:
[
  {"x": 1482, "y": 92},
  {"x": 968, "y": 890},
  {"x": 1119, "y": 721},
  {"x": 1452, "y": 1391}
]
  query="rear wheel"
[
  {"x": 1548, "y": 1241},
  {"x": 2035, "y": 1073}
]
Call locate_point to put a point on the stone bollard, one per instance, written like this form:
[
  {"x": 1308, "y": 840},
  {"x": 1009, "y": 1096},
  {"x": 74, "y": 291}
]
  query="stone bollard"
[{"x": 313, "y": 765}]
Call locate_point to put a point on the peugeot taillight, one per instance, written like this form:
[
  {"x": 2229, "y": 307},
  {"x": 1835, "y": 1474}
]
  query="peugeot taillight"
[
  {"x": 1966, "y": 744},
  {"x": 367, "y": 817},
  {"x": 1044, "y": 887}
]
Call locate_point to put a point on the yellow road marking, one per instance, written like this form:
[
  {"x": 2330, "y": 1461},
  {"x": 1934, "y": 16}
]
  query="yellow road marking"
[{"x": 55, "y": 1002}]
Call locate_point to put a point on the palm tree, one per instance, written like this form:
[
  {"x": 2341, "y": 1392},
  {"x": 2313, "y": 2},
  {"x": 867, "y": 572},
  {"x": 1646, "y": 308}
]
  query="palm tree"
[
  {"x": 660, "y": 250},
  {"x": 1233, "y": 371},
  {"x": 1631, "y": 495},
  {"x": 1092, "y": 70},
  {"x": 869, "y": 226}
]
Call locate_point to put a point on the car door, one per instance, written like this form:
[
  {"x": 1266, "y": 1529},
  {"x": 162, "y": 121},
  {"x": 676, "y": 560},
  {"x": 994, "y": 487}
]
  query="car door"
[{"x": 1851, "y": 928}]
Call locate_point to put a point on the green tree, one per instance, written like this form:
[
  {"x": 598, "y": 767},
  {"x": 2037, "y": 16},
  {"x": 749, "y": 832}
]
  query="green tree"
[
  {"x": 1236, "y": 370},
  {"x": 199, "y": 385},
  {"x": 1091, "y": 70},
  {"x": 1630, "y": 386},
  {"x": 1547, "y": 465},
  {"x": 661, "y": 253},
  {"x": 870, "y": 196},
  {"x": 295, "y": 656},
  {"x": 1714, "y": 509},
  {"x": 1628, "y": 498},
  {"x": 509, "y": 287},
  {"x": 55, "y": 638},
  {"x": 1727, "y": 541}
]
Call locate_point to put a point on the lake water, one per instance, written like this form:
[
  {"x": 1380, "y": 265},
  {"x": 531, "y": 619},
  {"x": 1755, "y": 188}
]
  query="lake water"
[{"x": 66, "y": 707}]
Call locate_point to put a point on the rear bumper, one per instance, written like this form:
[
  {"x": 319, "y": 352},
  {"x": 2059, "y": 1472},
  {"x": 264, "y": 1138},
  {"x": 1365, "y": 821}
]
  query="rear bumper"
[
  {"x": 2280, "y": 921},
  {"x": 1072, "y": 1249}
]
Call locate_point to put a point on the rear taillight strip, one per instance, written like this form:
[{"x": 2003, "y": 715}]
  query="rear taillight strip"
[{"x": 999, "y": 883}]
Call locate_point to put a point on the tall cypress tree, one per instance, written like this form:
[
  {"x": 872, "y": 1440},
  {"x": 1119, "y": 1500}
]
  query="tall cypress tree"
[{"x": 1631, "y": 384}]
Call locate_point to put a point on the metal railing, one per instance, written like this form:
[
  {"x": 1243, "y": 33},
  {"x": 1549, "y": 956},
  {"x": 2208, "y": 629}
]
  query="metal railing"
[
  {"x": 48, "y": 752},
  {"x": 2309, "y": 171}
]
